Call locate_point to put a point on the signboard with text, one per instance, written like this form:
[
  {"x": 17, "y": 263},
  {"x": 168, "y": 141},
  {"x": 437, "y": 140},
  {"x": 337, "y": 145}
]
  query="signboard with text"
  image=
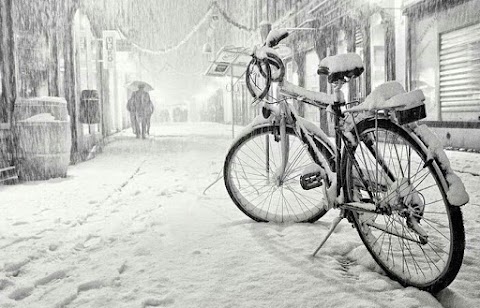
[{"x": 109, "y": 48}]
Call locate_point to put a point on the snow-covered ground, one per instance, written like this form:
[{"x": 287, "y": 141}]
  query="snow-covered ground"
[{"x": 131, "y": 228}]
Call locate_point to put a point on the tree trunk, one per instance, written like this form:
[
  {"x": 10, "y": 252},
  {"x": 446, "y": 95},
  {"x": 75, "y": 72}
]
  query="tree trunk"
[
  {"x": 70, "y": 79},
  {"x": 7, "y": 60},
  {"x": 299, "y": 58},
  {"x": 367, "y": 58},
  {"x": 321, "y": 50},
  {"x": 52, "y": 41}
]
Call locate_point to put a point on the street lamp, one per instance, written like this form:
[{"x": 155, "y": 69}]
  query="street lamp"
[{"x": 207, "y": 48}]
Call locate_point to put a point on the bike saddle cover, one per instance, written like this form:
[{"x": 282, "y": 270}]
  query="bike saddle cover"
[{"x": 341, "y": 67}]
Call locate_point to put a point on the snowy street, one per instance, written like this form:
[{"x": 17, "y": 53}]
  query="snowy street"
[{"x": 132, "y": 228}]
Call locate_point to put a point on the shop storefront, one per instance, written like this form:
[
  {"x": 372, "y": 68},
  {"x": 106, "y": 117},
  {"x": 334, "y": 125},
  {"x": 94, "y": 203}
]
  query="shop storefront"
[
  {"x": 443, "y": 48},
  {"x": 445, "y": 58}
]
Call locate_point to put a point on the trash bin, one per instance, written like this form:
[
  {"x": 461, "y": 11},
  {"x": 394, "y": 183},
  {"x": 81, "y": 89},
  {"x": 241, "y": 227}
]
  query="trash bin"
[
  {"x": 89, "y": 107},
  {"x": 42, "y": 128}
]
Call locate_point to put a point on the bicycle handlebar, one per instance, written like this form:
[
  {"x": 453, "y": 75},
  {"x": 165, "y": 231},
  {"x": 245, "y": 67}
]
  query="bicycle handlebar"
[{"x": 275, "y": 37}]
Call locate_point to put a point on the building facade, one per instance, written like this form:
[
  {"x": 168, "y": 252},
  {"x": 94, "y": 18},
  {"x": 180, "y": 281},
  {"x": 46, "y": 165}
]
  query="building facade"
[{"x": 431, "y": 45}]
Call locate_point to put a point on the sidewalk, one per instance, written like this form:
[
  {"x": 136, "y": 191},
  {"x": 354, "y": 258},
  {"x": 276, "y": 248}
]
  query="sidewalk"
[{"x": 132, "y": 228}]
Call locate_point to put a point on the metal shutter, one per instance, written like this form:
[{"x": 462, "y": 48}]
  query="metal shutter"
[{"x": 459, "y": 89}]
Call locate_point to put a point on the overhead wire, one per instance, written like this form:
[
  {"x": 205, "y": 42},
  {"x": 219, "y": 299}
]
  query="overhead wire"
[{"x": 212, "y": 7}]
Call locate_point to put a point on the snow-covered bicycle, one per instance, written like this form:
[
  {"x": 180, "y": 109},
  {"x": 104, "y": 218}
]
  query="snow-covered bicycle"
[{"x": 385, "y": 173}]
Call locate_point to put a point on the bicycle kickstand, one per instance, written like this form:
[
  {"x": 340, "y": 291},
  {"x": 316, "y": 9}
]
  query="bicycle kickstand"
[{"x": 334, "y": 224}]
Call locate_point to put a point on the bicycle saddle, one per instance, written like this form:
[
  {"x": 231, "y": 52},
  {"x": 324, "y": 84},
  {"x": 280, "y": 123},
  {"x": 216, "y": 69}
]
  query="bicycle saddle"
[{"x": 341, "y": 67}]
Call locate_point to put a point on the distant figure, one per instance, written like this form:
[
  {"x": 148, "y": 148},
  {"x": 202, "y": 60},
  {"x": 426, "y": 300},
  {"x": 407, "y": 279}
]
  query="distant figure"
[
  {"x": 131, "y": 110},
  {"x": 164, "y": 115},
  {"x": 149, "y": 109},
  {"x": 141, "y": 103}
]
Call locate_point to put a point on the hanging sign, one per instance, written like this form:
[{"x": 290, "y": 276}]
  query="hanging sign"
[{"x": 109, "y": 48}]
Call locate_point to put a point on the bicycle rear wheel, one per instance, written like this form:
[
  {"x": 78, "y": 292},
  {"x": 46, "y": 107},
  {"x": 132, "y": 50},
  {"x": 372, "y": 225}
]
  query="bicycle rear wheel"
[
  {"x": 250, "y": 178},
  {"x": 419, "y": 240}
]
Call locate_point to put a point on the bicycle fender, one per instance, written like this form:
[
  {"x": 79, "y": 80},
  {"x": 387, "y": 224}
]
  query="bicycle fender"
[
  {"x": 432, "y": 146},
  {"x": 260, "y": 121},
  {"x": 456, "y": 193}
]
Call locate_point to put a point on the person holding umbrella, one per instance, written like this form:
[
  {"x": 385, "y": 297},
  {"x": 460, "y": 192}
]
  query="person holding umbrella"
[
  {"x": 140, "y": 105},
  {"x": 130, "y": 109}
]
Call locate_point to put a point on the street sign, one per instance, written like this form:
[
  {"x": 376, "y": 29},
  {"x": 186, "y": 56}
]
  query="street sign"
[
  {"x": 124, "y": 46},
  {"x": 109, "y": 48},
  {"x": 229, "y": 61}
]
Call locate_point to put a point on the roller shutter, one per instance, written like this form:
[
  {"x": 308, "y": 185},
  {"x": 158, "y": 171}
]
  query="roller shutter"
[{"x": 459, "y": 89}]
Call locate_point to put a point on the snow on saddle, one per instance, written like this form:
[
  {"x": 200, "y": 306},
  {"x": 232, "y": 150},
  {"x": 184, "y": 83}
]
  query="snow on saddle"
[{"x": 341, "y": 67}]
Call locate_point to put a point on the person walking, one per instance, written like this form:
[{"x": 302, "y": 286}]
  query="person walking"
[
  {"x": 140, "y": 102},
  {"x": 148, "y": 115},
  {"x": 131, "y": 110}
]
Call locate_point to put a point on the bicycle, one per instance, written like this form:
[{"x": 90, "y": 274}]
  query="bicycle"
[{"x": 385, "y": 173}]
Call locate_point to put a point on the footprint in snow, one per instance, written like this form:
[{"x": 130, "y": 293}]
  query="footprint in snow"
[
  {"x": 15, "y": 266},
  {"x": 51, "y": 277},
  {"x": 5, "y": 283},
  {"x": 122, "y": 268},
  {"x": 92, "y": 241},
  {"x": 19, "y": 223},
  {"x": 180, "y": 189},
  {"x": 21, "y": 293},
  {"x": 53, "y": 247},
  {"x": 163, "y": 193},
  {"x": 90, "y": 285},
  {"x": 153, "y": 302}
]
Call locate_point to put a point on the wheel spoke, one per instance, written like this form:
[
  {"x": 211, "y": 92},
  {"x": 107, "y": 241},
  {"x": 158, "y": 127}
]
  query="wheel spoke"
[
  {"x": 257, "y": 190},
  {"x": 408, "y": 255}
]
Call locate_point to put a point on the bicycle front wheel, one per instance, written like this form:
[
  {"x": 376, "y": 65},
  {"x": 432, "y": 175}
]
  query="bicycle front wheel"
[
  {"x": 419, "y": 238},
  {"x": 252, "y": 181}
]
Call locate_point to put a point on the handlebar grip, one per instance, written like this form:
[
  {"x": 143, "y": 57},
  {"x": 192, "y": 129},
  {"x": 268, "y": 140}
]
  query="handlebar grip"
[
  {"x": 277, "y": 40},
  {"x": 322, "y": 70}
]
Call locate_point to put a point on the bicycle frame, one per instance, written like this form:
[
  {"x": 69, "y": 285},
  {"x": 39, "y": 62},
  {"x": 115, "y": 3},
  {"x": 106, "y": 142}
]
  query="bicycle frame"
[{"x": 288, "y": 115}]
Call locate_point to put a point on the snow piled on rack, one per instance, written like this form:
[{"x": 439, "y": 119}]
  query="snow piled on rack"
[
  {"x": 378, "y": 97},
  {"x": 405, "y": 99}
]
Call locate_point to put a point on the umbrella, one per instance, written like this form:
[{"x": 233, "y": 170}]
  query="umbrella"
[{"x": 133, "y": 86}]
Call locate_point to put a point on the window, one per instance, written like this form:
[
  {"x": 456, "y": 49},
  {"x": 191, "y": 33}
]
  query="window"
[{"x": 377, "y": 50}]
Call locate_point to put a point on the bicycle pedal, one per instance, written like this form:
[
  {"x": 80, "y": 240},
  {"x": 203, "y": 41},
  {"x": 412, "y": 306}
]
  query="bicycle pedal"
[{"x": 310, "y": 181}]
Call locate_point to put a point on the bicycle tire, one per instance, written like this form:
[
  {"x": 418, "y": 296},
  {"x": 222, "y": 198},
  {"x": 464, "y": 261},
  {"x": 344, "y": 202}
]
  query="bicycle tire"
[
  {"x": 429, "y": 266},
  {"x": 256, "y": 207}
]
